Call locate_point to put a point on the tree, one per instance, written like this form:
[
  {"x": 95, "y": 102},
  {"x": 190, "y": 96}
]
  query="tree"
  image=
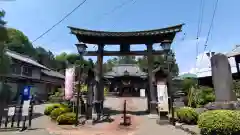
[
  {"x": 4, "y": 66},
  {"x": 2, "y": 14},
  {"x": 18, "y": 42},
  {"x": 3, "y": 31},
  {"x": 107, "y": 66},
  {"x": 126, "y": 60},
  {"x": 188, "y": 83},
  {"x": 4, "y": 60},
  {"x": 236, "y": 87},
  {"x": 45, "y": 57},
  {"x": 159, "y": 61}
]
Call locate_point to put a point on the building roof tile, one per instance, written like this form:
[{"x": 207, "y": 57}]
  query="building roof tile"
[{"x": 125, "y": 69}]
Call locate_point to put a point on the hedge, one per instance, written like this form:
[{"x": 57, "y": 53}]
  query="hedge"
[
  {"x": 50, "y": 108},
  {"x": 187, "y": 115},
  {"x": 66, "y": 118},
  {"x": 220, "y": 122},
  {"x": 58, "y": 111}
]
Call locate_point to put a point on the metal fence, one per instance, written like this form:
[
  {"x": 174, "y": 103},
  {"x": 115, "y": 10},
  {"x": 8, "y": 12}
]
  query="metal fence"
[{"x": 17, "y": 116}]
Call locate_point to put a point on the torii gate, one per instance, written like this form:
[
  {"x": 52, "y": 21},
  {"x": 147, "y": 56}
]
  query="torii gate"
[{"x": 125, "y": 39}]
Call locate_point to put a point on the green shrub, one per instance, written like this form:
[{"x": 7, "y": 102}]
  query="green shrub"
[
  {"x": 203, "y": 96},
  {"x": 219, "y": 122},
  {"x": 66, "y": 119},
  {"x": 50, "y": 108},
  {"x": 105, "y": 91},
  {"x": 187, "y": 115},
  {"x": 58, "y": 111}
]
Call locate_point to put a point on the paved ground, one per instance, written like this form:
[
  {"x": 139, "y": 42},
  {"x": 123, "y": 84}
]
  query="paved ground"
[
  {"x": 39, "y": 124},
  {"x": 141, "y": 124}
]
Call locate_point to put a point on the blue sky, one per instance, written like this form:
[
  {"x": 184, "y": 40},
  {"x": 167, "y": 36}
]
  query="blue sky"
[{"x": 33, "y": 17}]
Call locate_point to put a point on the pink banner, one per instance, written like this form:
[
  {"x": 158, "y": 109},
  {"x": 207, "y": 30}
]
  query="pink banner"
[{"x": 69, "y": 83}]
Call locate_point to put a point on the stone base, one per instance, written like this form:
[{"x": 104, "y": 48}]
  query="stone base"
[
  {"x": 153, "y": 116},
  {"x": 223, "y": 105},
  {"x": 94, "y": 115}
]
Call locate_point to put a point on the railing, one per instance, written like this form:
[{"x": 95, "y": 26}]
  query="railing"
[{"x": 13, "y": 117}]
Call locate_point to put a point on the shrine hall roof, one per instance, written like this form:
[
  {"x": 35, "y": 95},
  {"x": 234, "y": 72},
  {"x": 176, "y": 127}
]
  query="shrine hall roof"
[
  {"x": 134, "y": 37},
  {"x": 125, "y": 70}
]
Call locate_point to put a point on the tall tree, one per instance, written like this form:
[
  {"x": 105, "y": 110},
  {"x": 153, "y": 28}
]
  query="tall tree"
[
  {"x": 3, "y": 31},
  {"x": 45, "y": 57},
  {"x": 4, "y": 60},
  {"x": 4, "y": 66},
  {"x": 127, "y": 60},
  {"x": 18, "y": 42}
]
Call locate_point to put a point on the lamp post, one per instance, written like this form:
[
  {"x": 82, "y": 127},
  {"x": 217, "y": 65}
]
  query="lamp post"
[
  {"x": 81, "y": 47},
  {"x": 166, "y": 45}
]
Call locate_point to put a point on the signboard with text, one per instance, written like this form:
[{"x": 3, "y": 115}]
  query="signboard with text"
[{"x": 25, "y": 108}]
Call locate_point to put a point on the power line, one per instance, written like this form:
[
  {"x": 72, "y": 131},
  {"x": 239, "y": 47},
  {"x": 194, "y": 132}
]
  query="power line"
[
  {"x": 210, "y": 28},
  {"x": 66, "y": 16},
  {"x": 121, "y": 5},
  {"x": 211, "y": 25},
  {"x": 124, "y": 3},
  {"x": 134, "y": 1},
  {"x": 200, "y": 20},
  {"x": 201, "y": 11},
  {"x": 104, "y": 15}
]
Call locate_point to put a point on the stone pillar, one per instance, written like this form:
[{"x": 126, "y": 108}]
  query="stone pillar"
[
  {"x": 222, "y": 78},
  {"x": 98, "y": 91},
  {"x": 153, "y": 101},
  {"x": 90, "y": 87}
]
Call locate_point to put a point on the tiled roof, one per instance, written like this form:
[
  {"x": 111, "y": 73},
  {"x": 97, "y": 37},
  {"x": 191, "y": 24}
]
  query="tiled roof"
[
  {"x": 125, "y": 69},
  {"x": 173, "y": 29},
  {"x": 126, "y": 38},
  {"x": 25, "y": 59},
  {"x": 31, "y": 61},
  {"x": 53, "y": 73}
]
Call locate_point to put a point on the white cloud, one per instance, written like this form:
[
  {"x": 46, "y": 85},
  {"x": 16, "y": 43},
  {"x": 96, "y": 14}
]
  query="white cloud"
[{"x": 203, "y": 66}]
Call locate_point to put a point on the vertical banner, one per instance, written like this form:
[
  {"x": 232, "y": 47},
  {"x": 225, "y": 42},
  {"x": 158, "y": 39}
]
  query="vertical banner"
[
  {"x": 69, "y": 82},
  {"x": 162, "y": 97},
  {"x": 142, "y": 92}
]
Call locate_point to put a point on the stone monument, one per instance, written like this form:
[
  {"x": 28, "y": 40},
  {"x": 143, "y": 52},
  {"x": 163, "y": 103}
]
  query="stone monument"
[{"x": 222, "y": 78}]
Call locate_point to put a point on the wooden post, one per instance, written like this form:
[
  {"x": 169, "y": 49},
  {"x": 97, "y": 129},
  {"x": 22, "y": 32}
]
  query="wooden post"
[
  {"x": 98, "y": 91},
  {"x": 153, "y": 101},
  {"x": 90, "y": 93}
]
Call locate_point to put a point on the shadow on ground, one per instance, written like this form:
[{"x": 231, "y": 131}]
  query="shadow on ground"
[
  {"x": 35, "y": 115},
  {"x": 17, "y": 129},
  {"x": 17, "y": 118},
  {"x": 116, "y": 112}
]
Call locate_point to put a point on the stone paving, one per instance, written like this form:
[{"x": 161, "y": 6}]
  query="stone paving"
[{"x": 141, "y": 124}]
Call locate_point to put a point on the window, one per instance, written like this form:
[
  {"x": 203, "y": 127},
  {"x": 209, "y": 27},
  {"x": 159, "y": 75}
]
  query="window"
[
  {"x": 27, "y": 71},
  {"x": 15, "y": 69}
]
